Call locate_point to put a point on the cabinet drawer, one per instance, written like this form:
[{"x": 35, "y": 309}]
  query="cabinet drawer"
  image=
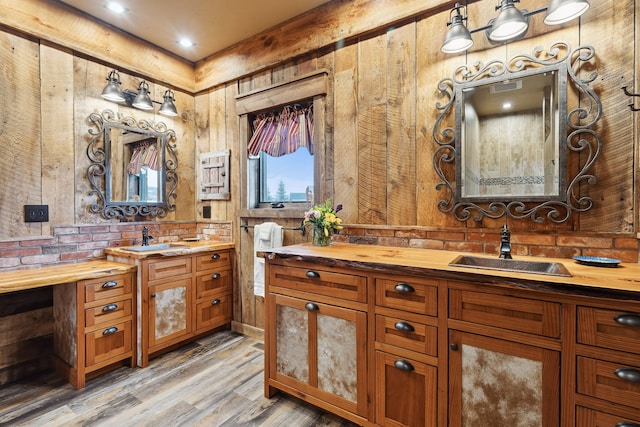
[
  {"x": 609, "y": 329},
  {"x": 603, "y": 379},
  {"x": 107, "y": 343},
  {"x": 215, "y": 260},
  {"x": 112, "y": 287},
  {"x": 586, "y": 417},
  {"x": 408, "y": 294},
  {"x": 214, "y": 312},
  {"x": 412, "y": 335},
  {"x": 108, "y": 312},
  {"x": 162, "y": 269},
  {"x": 507, "y": 312},
  {"x": 213, "y": 283},
  {"x": 321, "y": 282}
]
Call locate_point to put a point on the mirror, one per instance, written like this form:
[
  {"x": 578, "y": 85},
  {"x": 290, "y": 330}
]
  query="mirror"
[
  {"x": 507, "y": 155},
  {"x": 133, "y": 166}
]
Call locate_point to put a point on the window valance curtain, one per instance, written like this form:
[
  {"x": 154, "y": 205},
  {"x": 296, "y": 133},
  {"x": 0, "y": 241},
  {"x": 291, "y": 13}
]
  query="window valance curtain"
[
  {"x": 143, "y": 154},
  {"x": 277, "y": 134}
]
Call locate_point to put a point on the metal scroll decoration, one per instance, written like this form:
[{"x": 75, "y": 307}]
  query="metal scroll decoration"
[
  {"x": 582, "y": 141},
  {"x": 100, "y": 173}
]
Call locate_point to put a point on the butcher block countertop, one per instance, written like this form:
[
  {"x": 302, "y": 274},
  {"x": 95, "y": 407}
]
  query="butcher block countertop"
[
  {"x": 624, "y": 278},
  {"x": 20, "y": 280},
  {"x": 173, "y": 249}
]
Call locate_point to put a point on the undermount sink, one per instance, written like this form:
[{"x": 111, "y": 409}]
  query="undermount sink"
[
  {"x": 519, "y": 266},
  {"x": 158, "y": 247}
]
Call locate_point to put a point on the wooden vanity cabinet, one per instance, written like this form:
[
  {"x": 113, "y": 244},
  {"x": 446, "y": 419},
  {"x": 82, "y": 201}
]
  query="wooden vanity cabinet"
[
  {"x": 317, "y": 343},
  {"x": 94, "y": 326},
  {"x": 182, "y": 297}
]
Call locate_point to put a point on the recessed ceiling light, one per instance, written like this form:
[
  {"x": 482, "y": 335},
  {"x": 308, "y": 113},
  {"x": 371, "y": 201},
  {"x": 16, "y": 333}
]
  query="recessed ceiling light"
[
  {"x": 506, "y": 105},
  {"x": 185, "y": 42},
  {"x": 116, "y": 7}
]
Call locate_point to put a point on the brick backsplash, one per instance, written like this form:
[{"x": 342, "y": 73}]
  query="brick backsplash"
[
  {"x": 623, "y": 246},
  {"x": 71, "y": 244}
]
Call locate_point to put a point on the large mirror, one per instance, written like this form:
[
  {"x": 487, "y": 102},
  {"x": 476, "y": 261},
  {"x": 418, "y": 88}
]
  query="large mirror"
[
  {"x": 133, "y": 166},
  {"x": 507, "y": 155}
]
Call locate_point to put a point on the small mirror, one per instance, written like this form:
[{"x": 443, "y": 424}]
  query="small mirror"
[
  {"x": 507, "y": 154},
  {"x": 133, "y": 166}
]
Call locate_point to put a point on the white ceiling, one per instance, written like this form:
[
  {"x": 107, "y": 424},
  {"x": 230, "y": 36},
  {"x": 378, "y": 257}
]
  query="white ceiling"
[{"x": 212, "y": 24}]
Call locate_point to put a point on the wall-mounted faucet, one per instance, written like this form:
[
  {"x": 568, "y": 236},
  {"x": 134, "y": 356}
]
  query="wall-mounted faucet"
[
  {"x": 146, "y": 237},
  {"x": 505, "y": 243}
]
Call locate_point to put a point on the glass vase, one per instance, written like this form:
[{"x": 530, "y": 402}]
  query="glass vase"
[{"x": 319, "y": 238}]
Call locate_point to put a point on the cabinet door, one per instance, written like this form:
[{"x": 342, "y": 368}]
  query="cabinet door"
[
  {"x": 170, "y": 312},
  {"x": 406, "y": 392},
  {"x": 493, "y": 382},
  {"x": 320, "y": 350}
]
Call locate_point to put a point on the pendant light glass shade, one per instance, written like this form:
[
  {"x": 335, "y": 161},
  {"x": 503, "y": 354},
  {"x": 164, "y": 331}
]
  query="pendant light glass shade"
[
  {"x": 458, "y": 38},
  {"x": 561, "y": 11},
  {"x": 510, "y": 23},
  {"x": 112, "y": 91},
  {"x": 168, "y": 108},
  {"x": 142, "y": 100}
]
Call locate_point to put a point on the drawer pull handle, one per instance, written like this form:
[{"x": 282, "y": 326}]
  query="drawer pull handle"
[
  {"x": 404, "y": 327},
  {"x": 403, "y": 365},
  {"x": 627, "y": 424},
  {"x": 312, "y": 306},
  {"x": 404, "y": 288},
  {"x": 109, "y": 331},
  {"x": 628, "y": 374},
  {"x": 215, "y": 302},
  {"x": 215, "y": 276},
  {"x": 313, "y": 274},
  {"x": 110, "y": 284},
  {"x": 628, "y": 319},
  {"x": 215, "y": 256},
  {"x": 109, "y": 307}
]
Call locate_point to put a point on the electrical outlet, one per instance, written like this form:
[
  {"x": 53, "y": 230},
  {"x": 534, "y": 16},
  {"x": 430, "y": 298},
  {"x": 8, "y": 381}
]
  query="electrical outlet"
[
  {"x": 206, "y": 211},
  {"x": 36, "y": 213}
]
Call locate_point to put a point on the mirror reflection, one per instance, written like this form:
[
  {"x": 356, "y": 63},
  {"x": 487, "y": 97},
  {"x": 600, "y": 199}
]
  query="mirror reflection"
[
  {"x": 133, "y": 166},
  {"x": 509, "y": 137}
]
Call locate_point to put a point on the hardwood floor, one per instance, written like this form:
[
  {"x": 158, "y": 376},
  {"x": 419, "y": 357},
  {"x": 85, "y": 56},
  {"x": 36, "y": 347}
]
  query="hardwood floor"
[{"x": 216, "y": 381}]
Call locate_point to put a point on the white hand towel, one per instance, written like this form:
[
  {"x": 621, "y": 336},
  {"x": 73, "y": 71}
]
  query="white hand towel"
[{"x": 265, "y": 236}]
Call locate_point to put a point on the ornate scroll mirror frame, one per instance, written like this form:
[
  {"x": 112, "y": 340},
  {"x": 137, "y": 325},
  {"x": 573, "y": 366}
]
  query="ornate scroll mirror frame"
[
  {"x": 103, "y": 176},
  {"x": 576, "y": 137}
]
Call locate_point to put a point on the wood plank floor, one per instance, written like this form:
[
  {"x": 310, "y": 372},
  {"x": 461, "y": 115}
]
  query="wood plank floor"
[{"x": 216, "y": 381}]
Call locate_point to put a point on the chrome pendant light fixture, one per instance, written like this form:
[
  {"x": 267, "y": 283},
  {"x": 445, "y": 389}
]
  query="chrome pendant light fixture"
[
  {"x": 139, "y": 99},
  {"x": 510, "y": 24}
]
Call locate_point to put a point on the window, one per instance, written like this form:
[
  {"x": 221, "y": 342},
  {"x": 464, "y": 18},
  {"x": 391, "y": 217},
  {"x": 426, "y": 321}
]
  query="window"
[{"x": 288, "y": 178}]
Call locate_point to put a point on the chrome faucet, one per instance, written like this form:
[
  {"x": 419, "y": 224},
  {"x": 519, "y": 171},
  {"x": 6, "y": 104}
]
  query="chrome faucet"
[
  {"x": 146, "y": 237},
  {"x": 505, "y": 243}
]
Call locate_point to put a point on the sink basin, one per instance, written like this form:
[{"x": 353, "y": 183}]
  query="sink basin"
[
  {"x": 158, "y": 247},
  {"x": 520, "y": 266}
]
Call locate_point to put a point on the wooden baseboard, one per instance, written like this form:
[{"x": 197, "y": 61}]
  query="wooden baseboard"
[{"x": 248, "y": 330}]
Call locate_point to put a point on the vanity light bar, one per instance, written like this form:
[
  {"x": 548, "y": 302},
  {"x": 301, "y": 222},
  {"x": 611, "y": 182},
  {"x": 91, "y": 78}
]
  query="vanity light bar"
[{"x": 139, "y": 99}]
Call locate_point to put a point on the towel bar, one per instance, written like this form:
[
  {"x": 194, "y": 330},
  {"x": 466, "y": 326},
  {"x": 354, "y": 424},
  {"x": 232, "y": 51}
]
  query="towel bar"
[{"x": 303, "y": 231}]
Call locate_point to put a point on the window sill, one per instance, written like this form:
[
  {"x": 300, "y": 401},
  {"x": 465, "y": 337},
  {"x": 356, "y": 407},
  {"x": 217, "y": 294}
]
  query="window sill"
[{"x": 273, "y": 213}]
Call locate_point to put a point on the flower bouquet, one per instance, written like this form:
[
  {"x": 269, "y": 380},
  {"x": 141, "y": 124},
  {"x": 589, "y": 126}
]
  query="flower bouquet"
[{"x": 324, "y": 221}]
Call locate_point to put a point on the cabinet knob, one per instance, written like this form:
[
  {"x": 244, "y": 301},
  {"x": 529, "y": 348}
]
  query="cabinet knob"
[
  {"x": 109, "y": 307},
  {"x": 215, "y": 276},
  {"x": 313, "y": 274},
  {"x": 627, "y": 424},
  {"x": 454, "y": 347},
  {"x": 312, "y": 306},
  {"x": 403, "y": 365},
  {"x": 404, "y": 326},
  {"x": 404, "y": 288},
  {"x": 215, "y": 302},
  {"x": 109, "y": 331},
  {"x": 153, "y": 295},
  {"x": 215, "y": 256},
  {"x": 628, "y": 319},
  {"x": 628, "y": 374},
  {"x": 110, "y": 284}
]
